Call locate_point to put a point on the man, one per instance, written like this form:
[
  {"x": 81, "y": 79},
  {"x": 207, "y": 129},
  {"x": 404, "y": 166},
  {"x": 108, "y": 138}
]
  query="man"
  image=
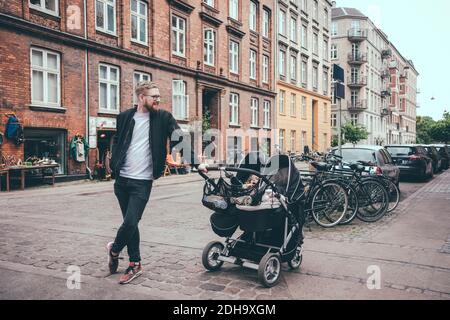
[{"x": 138, "y": 158}]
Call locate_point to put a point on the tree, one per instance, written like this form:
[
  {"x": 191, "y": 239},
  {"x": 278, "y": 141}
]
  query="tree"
[
  {"x": 424, "y": 126},
  {"x": 440, "y": 131},
  {"x": 354, "y": 134}
]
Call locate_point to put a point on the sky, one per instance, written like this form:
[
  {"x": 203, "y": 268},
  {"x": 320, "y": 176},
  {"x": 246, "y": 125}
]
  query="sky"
[{"x": 420, "y": 30}]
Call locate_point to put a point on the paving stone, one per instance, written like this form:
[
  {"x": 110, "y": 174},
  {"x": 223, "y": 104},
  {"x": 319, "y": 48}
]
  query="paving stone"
[
  {"x": 190, "y": 291},
  {"x": 414, "y": 290},
  {"x": 398, "y": 287},
  {"x": 212, "y": 287},
  {"x": 232, "y": 290}
]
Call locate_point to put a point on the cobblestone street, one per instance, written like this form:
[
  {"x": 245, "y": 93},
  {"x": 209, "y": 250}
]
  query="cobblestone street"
[{"x": 45, "y": 230}]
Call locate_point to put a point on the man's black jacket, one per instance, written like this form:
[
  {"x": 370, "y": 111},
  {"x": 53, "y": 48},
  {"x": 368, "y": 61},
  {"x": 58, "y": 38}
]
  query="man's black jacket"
[{"x": 162, "y": 125}]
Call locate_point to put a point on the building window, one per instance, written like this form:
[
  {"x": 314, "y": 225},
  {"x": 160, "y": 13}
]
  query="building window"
[
  {"x": 282, "y": 100},
  {"x": 304, "y": 115},
  {"x": 265, "y": 71},
  {"x": 234, "y": 56},
  {"x": 304, "y": 36},
  {"x": 209, "y": 46},
  {"x": 316, "y": 10},
  {"x": 254, "y": 109},
  {"x": 315, "y": 77},
  {"x": 282, "y": 63},
  {"x": 334, "y": 29},
  {"x": 109, "y": 82},
  {"x": 253, "y": 55},
  {"x": 354, "y": 119},
  {"x": 45, "y": 78},
  {"x": 179, "y": 100},
  {"x": 209, "y": 3},
  {"x": 105, "y": 13},
  {"x": 266, "y": 110},
  {"x": 293, "y": 68},
  {"x": 325, "y": 18},
  {"x": 234, "y": 9},
  {"x": 316, "y": 44},
  {"x": 305, "y": 6},
  {"x": 294, "y": 29},
  {"x": 325, "y": 82},
  {"x": 325, "y": 50},
  {"x": 139, "y": 21},
  {"x": 234, "y": 109},
  {"x": 139, "y": 77},
  {"x": 178, "y": 36},
  {"x": 334, "y": 120},
  {"x": 334, "y": 52},
  {"x": 282, "y": 137},
  {"x": 47, "y": 6},
  {"x": 253, "y": 16},
  {"x": 293, "y": 105},
  {"x": 304, "y": 73},
  {"x": 293, "y": 142},
  {"x": 282, "y": 22},
  {"x": 266, "y": 23},
  {"x": 325, "y": 113}
]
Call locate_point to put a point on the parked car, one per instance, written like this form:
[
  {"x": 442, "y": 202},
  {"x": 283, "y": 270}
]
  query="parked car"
[
  {"x": 378, "y": 157},
  {"x": 436, "y": 157},
  {"x": 412, "y": 160},
  {"x": 444, "y": 151}
]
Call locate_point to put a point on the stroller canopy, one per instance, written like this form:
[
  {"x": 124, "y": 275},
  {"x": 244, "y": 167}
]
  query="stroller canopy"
[{"x": 285, "y": 176}]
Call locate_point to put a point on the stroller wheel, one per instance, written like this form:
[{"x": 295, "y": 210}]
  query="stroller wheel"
[
  {"x": 269, "y": 270},
  {"x": 296, "y": 260},
  {"x": 210, "y": 255}
]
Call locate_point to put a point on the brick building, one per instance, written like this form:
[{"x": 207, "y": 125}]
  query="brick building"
[{"x": 69, "y": 67}]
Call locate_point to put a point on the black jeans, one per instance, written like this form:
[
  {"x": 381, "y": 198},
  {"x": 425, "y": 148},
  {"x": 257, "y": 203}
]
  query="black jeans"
[{"x": 133, "y": 196}]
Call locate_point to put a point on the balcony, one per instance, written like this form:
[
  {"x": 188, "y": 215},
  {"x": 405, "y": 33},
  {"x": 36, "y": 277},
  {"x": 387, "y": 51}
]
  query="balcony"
[
  {"x": 356, "y": 82},
  {"x": 357, "y": 35},
  {"x": 357, "y": 105},
  {"x": 386, "y": 53},
  {"x": 386, "y": 93},
  {"x": 385, "y": 74},
  {"x": 357, "y": 58},
  {"x": 385, "y": 112}
]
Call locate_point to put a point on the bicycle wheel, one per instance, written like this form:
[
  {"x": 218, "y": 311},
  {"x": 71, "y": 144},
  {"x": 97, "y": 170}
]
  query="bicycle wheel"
[
  {"x": 373, "y": 200},
  {"x": 353, "y": 206},
  {"x": 329, "y": 204},
  {"x": 394, "y": 195}
]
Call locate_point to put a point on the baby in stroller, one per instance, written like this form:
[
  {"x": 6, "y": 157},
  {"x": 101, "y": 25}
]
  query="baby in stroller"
[{"x": 264, "y": 201}]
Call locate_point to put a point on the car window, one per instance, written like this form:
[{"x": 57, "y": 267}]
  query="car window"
[
  {"x": 354, "y": 155},
  {"x": 387, "y": 156},
  {"x": 381, "y": 158},
  {"x": 400, "y": 151}
]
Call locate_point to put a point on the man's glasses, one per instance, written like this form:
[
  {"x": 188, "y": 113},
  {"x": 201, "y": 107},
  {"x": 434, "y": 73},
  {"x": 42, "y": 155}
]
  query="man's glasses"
[{"x": 154, "y": 97}]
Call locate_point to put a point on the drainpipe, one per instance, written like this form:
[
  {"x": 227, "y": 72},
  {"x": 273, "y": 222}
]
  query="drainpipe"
[
  {"x": 275, "y": 77},
  {"x": 86, "y": 80}
]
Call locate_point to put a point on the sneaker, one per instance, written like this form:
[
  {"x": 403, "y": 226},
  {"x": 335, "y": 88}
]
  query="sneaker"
[
  {"x": 113, "y": 261},
  {"x": 132, "y": 272}
]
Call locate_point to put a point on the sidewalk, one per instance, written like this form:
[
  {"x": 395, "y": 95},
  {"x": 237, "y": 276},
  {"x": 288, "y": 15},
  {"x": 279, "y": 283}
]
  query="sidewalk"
[{"x": 43, "y": 231}]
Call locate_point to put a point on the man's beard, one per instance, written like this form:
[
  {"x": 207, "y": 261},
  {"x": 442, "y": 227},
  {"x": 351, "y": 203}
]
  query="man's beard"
[{"x": 149, "y": 106}]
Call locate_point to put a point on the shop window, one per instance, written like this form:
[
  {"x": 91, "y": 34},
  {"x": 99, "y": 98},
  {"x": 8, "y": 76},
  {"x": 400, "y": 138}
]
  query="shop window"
[{"x": 46, "y": 143}]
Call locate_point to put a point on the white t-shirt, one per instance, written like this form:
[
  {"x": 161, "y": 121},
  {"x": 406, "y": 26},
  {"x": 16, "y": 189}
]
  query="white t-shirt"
[{"x": 138, "y": 161}]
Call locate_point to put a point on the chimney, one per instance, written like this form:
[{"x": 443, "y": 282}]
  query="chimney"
[{"x": 333, "y": 4}]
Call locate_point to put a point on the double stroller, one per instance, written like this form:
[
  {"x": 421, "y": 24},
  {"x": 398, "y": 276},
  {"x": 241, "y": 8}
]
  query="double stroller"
[{"x": 262, "y": 198}]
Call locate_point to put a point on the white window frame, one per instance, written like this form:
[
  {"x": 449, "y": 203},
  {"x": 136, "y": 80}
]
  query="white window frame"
[
  {"x": 293, "y": 69},
  {"x": 179, "y": 93},
  {"x": 104, "y": 28},
  {"x": 209, "y": 47},
  {"x": 234, "y": 109},
  {"x": 293, "y": 112},
  {"x": 253, "y": 64},
  {"x": 41, "y": 7},
  {"x": 45, "y": 71},
  {"x": 142, "y": 76},
  {"x": 281, "y": 139},
  {"x": 254, "y": 107},
  {"x": 304, "y": 108},
  {"x": 304, "y": 36},
  {"x": 334, "y": 29},
  {"x": 266, "y": 23},
  {"x": 209, "y": 3},
  {"x": 293, "y": 140},
  {"x": 265, "y": 69},
  {"x": 304, "y": 70},
  {"x": 253, "y": 16},
  {"x": 293, "y": 29},
  {"x": 266, "y": 110},
  {"x": 334, "y": 52},
  {"x": 282, "y": 102},
  {"x": 282, "y": 60},
  {"x": 315, "y": 77},
  {"x": 109, "y": 108},
  {"x": 326, "y": 52},
  {"x": 316, "y": 44},
  {"x": 180, "y": 48},
  {"x": 139, "y": 17},
  {"x": 333, "y": 120},
  {"x": 282, "y": 22},
  {"x": 234, "y": 56},
  {"x": 233, "y": 9}
]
